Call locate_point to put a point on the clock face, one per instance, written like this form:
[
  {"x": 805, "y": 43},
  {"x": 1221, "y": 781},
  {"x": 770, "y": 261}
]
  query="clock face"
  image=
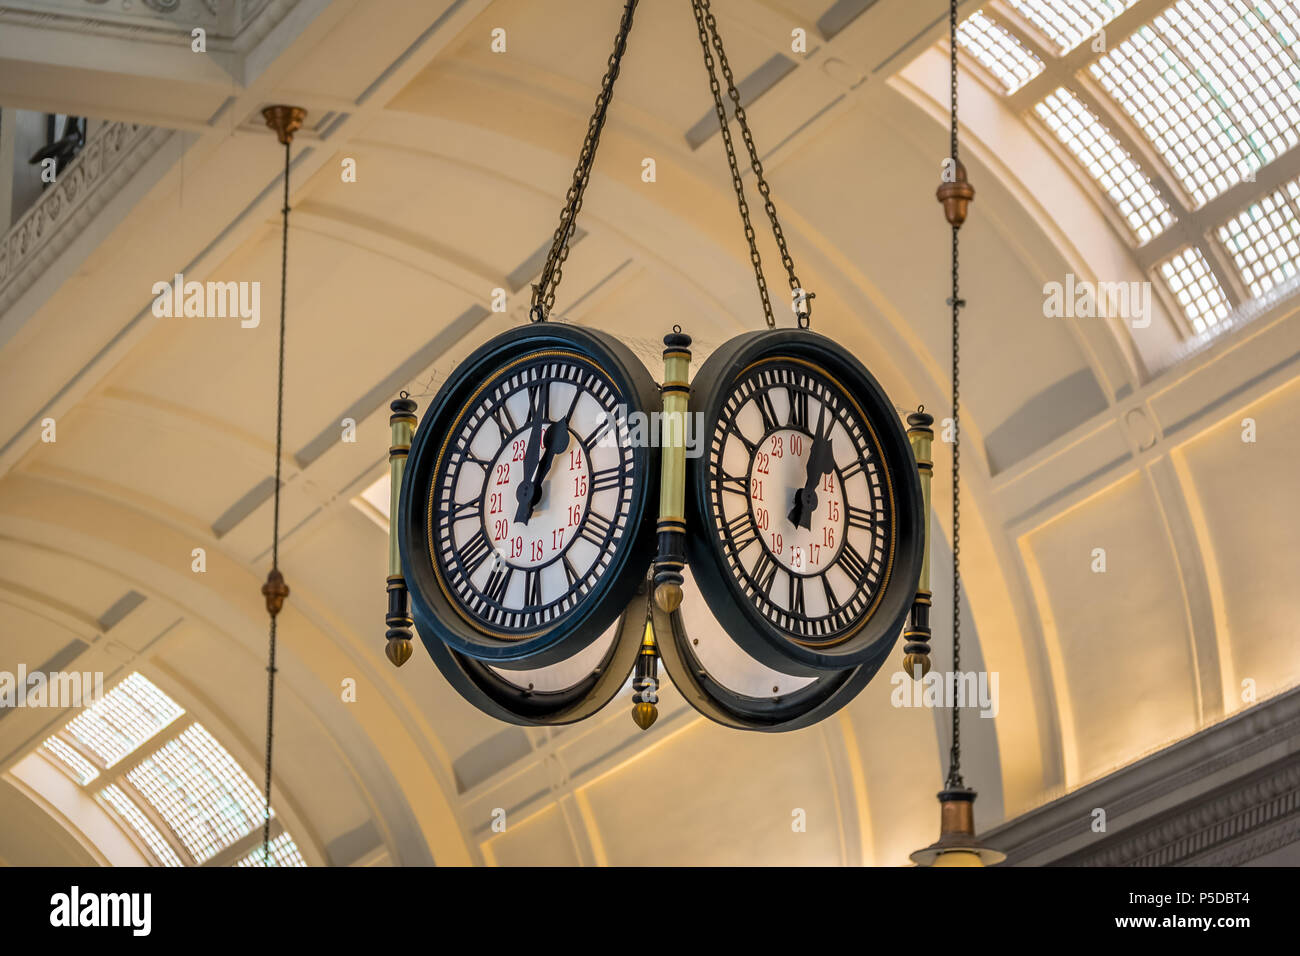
[
  {"x": 525, "y": 522},
  {"x": 802, "y": 502},
  {"x": 808, "y": 533},
  {"x": 532, "y": 493}
]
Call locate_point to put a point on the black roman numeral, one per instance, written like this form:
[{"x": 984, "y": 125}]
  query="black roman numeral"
[
  {"x": 533, "y": 588},
  {"x": 741, "y": 531},
  {"x": 606, "y": 478},
  {"x": 497, "y": 583},
  {"x": 860, "y": 518},
  {"x": 764, "y": 571},
  {"x": 539, "y": 401},
  {"x": 854, "y": 468},
  {"x": 505, "y": 421},
  {"x": 735, "y": 485},
  {"x": 570, "y": 572},
  {"x": 763, "y": 400},
  {"x": 606, "y": 423},
  {"x": 474, "y": 552},
  {"x": 832, "y": 603},
  {"x": 596, "y": 528},
  {"x": 854, "y": 565},
  {"x": 460, "y": 511},
  {"x": 798, "y": 409},
  {"x": 796, "y": 596}
]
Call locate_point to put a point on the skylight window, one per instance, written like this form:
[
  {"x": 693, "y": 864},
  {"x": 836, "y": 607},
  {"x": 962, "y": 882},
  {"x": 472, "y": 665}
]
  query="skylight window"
[
  {"x": 184, "y": 798},
  {"x": 1193, "y": 283},
  {"x": 1214, "y": 87},
  {"x": 284, "y": 852},
  {"x": 82, "y": 769},
  {"x": 131, "y": 815},
  {"x": 1264, "y": 239},
  {"x": 123, "y": 719},
  {"x": 1108, "y": 162},
  {"x": 200, "y": 792},
  {"x": 1069, "y": 22},
  {"x": 998, "y": 51}
]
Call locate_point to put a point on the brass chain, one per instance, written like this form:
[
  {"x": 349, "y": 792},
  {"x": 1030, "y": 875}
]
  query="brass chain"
[
  {"x": 553, "y": 270},
  {"x": 708, "y": 31}
]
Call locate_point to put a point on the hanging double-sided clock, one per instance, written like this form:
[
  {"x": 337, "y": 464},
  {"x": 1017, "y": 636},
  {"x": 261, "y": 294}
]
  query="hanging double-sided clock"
[
  {"x": 522, "y": 518},
  {"x": 522, "y": 521}
]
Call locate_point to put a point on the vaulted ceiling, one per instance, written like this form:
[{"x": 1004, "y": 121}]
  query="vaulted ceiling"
[{"x": 1080, "y": 433}]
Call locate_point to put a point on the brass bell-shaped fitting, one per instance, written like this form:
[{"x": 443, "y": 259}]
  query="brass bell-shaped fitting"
[
  {"x": 956, "y": 196},
  {"x": 398, "y": 650},
  {"x": 644, "y": 715}
]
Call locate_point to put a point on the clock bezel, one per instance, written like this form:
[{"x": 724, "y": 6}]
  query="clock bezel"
[
  {"x": 436, "y": 617},
  {"x": 870, "y": 640}
]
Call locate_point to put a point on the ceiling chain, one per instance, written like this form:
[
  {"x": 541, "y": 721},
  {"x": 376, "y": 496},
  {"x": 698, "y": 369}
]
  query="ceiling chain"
[
  {"x": 553, "y": 270},
  {"x": 708, "y": 31},
  {"x": 954, "y": 781}
]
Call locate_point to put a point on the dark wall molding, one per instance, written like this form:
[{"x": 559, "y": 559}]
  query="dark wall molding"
[{"x": 1222, "y": 797}]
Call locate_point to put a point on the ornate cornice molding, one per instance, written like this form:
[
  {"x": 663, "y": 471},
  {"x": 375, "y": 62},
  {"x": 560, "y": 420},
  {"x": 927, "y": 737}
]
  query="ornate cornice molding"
[
  {"x": 227, "y": 24},
  {"x": 1232, "y": 825},
  {"x": 110, "y": 157},
  {"x": 1134, "y": 796}
]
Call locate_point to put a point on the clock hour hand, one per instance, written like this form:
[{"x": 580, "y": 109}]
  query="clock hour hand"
[
  {"x": 820, "y": 462},
  {"x": 555, "y": 439},
  {"x": 524, "y": 493}
]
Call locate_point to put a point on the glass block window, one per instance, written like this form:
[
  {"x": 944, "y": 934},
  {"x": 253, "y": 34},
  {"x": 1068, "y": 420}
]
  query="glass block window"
[
  {"x": 1108, "y": 162},
  {"x": 1215, "y": 87},
  {"x": 122, "y": 805},
  {"x": 67, "y": 756},
  {"x": 1069, "y": 22},
  {"x": 1196, "y": 288},
  {"x": 201, "y": 793},
  {"x": 284, "y": 852},
  {"x": 1264, "y": 239},
  {"x": 998, "y": 51},
  {"x": 123, "y": 719}
]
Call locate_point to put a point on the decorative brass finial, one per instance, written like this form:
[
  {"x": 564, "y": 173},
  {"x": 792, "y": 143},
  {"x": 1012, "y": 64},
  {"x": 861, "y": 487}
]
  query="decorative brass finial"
[
  {"x": 956, "y": 196},
  {"x": 275, "y": 591},
  {"x": 645, "y": 681},
  {"x": 398, "y": 650},
  {"x": 285, "y": 120},
  {"x": 644, "y": 715},
  {"x": 912, "y": 661},
  {"x": 668, "y": 596}
]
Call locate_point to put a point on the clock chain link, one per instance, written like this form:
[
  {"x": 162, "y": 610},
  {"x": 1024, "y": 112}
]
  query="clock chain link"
[
  {"x": 553, "y": 270},
  {"x": 708, "y": 31},
  {"x": 954, "y": 780}
]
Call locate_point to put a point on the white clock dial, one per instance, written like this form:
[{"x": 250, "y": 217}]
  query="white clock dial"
[{"x": 532, "y": 493}]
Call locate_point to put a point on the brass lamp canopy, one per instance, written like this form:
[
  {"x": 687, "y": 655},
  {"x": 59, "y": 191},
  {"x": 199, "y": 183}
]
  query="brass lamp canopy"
[
  {"x": 285, "y": 120},
  {"x": 956, "y": 196},
  {"x": 957, "y": 845}
]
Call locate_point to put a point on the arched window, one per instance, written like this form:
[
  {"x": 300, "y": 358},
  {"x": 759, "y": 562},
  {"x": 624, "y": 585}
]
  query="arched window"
[
  {"x": 166, "y": 780},
  {"x": 1184, "y": 113}
]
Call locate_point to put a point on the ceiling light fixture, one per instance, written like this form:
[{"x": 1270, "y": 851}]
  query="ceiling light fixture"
[{"x": 957, "y": 845}]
